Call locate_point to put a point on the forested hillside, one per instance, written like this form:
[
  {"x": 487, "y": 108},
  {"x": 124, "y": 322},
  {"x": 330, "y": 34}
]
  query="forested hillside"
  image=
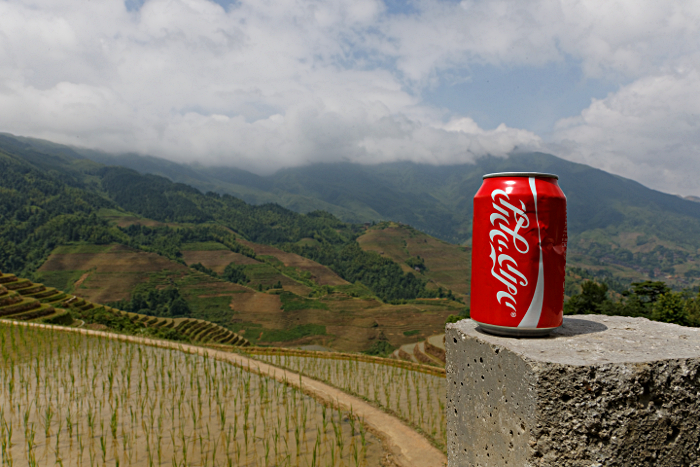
[
  {"x": 52, "y": 199},
  {"x": 617, "y": 226}
]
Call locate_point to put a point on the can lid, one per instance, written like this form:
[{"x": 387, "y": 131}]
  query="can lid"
[{"x": 521, "y": 174}]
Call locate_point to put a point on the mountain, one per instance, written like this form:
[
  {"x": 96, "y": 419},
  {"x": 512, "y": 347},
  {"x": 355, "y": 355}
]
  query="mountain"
[
  {"x": 145, "y": 244},
  {"x": 614, "y": 223},
  {"x": 438, "y": 199}
]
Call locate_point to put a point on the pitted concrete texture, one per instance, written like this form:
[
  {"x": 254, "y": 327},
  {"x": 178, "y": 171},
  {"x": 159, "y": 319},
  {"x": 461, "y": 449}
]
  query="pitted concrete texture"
[{"x": 600, "y": 391}]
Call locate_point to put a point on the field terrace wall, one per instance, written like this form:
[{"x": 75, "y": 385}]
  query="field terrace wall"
[
  {"x": 601, "y": 390},
  {"x": 429, "y": 352},
  {"x": 20, "y": 299},
  {"x": 196, "y": 330},
  {"x": 429, "y": 369}
]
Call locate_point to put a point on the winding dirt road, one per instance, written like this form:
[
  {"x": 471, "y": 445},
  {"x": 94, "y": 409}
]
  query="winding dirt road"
[{"x": 406, "y": 447}]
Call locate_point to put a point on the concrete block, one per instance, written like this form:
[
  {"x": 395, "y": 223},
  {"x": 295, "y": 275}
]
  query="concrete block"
[{"x": 600, "y": 391}]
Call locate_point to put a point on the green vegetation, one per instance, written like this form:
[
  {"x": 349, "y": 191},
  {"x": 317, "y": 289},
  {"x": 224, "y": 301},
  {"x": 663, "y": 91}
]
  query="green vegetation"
[
  {"x": 415, "y": 332},
  {"x": 163, "y": 303},
  {"x": 649, "y": 299},
  {"x": 292, "y": 334},
  {"x": 78, "y": 248},
  {"x": 202, "y": 246},
  {"x": 416, "y": 263},
  {"x": 261, "y": 274},
  {"x": 381, "y": 275},
  {"x": 658, "y": 261},
  {"x": 123, "y": 324},
  {"x": 380, "y": 348},
  {"x": 464, "y": 314},
  {"x": 210, "y": 308},
  {"x": 61, "y": 280},
  {"x": 199, "y": 267},
  {"x": 236, "y": 273},
  {"x": 168, "y": 241},
  {"x": 44, "y": 212}
]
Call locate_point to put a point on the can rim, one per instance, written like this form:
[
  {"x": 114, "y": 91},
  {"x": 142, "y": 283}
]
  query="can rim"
[{"x": 521, "y": 174}]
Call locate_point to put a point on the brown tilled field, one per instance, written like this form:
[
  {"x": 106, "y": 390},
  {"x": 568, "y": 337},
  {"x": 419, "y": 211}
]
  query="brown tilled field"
[
  {"x": 448, "y": 265},
  {"x": 258, "y": 307},
  {"x": 111, "y": 275}
]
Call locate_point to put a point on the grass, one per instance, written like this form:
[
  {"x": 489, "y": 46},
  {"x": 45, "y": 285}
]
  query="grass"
[
  {"x": 354, "y": 290},
  {"x": 249, "y": 330},
  {"x": 415, "y": 332},
  {"x": 203, "y": 246},
  {"x": 262, "y": 273},
  {"x": 69, "y": 399},
  {"x": 74, "y": 248},
  {"x": 297, "y": 332},
  {"x": 204, "y": 306},
  {"x": 106, "y": 212},
  {"x": 61, "y": 280}
]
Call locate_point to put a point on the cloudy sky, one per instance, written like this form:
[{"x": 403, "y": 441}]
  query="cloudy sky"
[{"x": 264, "y": 84}]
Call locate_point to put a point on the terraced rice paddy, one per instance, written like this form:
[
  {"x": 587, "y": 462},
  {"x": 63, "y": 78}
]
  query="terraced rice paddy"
[
  {"x": 73, "y": 400},
  {"x": 414, "y": 396}
]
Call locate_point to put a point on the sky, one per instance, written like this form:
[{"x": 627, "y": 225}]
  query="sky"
[{"x": 263, "y": 84}]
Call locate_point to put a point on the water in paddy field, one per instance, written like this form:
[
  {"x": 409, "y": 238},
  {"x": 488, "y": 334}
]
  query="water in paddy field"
[
  {"x": 414, "y": 396},
  {"x": 74, "y": 400}
]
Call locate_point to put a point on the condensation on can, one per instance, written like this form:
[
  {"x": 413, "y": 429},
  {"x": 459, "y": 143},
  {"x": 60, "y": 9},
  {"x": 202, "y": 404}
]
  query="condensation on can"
[{"x": 519, "y": 245}]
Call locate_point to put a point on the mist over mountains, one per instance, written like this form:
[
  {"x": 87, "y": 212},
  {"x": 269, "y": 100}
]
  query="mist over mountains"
[{"x": 437, "y": 199}]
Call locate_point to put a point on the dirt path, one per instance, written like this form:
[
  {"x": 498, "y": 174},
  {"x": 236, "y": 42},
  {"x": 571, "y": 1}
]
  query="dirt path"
[{"x": 407, "y": 447}]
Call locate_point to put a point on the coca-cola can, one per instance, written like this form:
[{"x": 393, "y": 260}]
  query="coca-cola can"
[{"x": 518, "y": 254}]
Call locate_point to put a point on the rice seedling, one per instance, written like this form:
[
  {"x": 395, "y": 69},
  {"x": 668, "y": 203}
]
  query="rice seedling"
[
  {"x": 416, "y": 397},
  {"x": 87, "y": 400}
]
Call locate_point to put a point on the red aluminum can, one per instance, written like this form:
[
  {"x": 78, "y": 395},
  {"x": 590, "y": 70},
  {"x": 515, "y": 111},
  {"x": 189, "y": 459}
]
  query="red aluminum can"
[{"x": 518, "y": 254}]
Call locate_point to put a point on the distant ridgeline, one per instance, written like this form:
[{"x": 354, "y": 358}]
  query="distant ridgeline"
[{"x": 52, "y": 195}]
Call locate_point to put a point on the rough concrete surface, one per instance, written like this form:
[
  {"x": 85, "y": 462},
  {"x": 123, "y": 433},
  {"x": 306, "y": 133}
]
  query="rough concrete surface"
[{"x": 600, "y": 391}]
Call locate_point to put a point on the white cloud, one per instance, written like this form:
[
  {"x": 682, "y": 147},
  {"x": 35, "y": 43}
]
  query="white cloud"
[
  {"x": 649, "y": 130},
  {"x": 613, "y": 39},
  {"x": 259, "y": 85},
  {"x": 266, "y": 84}
]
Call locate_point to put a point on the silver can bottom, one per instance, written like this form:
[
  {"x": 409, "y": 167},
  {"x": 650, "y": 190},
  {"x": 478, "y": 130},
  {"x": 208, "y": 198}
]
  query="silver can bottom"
[{"x": 515, "y": 332}]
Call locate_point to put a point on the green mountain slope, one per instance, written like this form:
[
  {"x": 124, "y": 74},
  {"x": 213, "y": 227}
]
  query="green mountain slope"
[
  {"x": 41, "y": 210},
  {"x": 615, "y": 224},
  {"x": 437, "y": 199}
]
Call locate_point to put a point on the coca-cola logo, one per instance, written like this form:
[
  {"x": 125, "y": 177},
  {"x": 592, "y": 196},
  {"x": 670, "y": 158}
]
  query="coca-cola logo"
[{"x": 507, "y": 221}]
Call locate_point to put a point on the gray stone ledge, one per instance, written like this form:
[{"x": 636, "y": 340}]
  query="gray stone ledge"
[{"x": 600, "y": 391}]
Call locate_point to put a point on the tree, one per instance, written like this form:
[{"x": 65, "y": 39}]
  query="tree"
[
  {"x": 649, "y": 291},
  {"x": 692, "y": 310},
  {"x": 236, "y": 273},
  {"x": 592, "y": 299},
  {"x": 179, "y": 307},
  {"x": 670, "y": 308}
]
